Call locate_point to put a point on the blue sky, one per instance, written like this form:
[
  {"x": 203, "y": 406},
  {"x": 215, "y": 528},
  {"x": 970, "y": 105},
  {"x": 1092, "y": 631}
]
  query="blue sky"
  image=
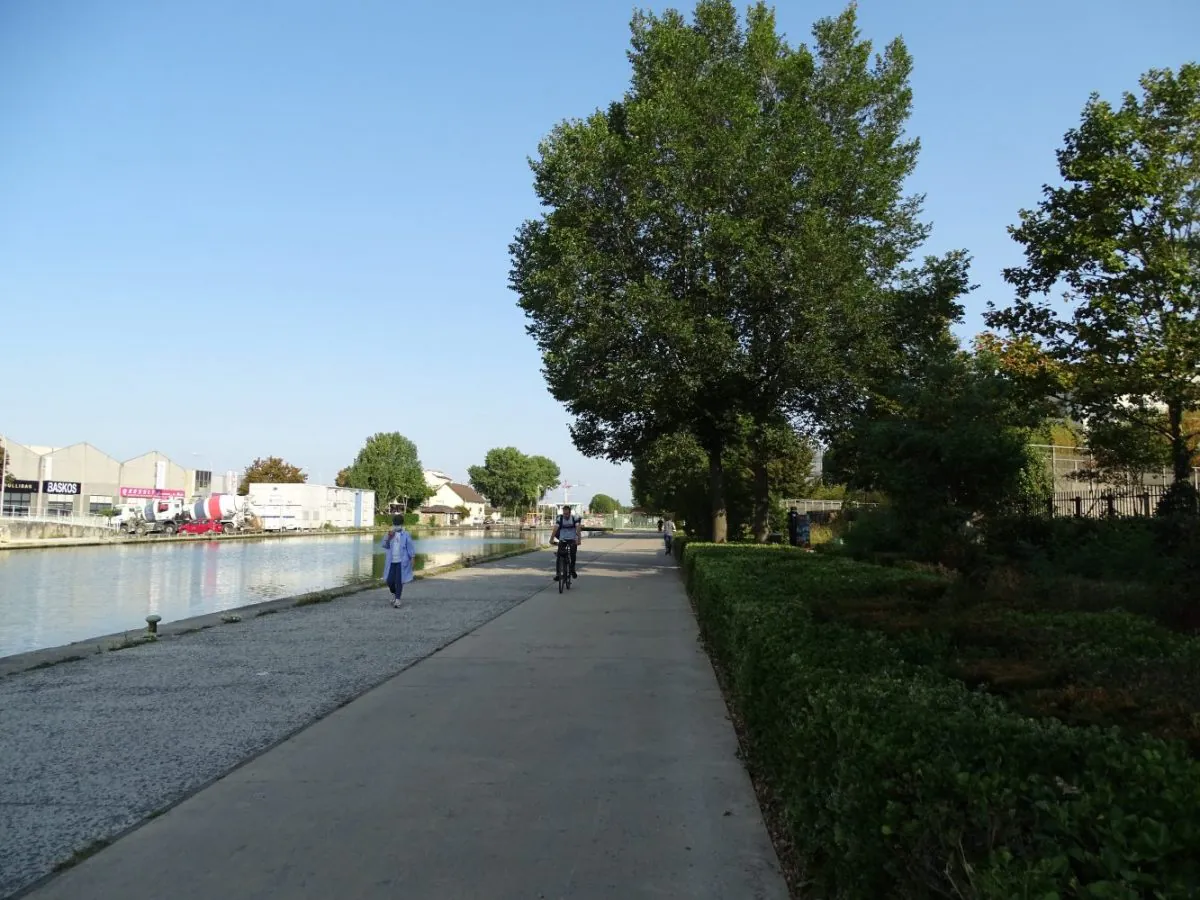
[{"x": 234, "y": 229}]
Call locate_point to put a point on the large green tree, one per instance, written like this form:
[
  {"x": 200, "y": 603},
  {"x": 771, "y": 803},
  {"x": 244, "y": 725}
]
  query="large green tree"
[
  {"x": 1122, "y": 233},
  {"x": 671, "y": 475},
  {"x": 271, "y": 470},
  {"x": 388, "y": 464},
  {"x": 544, "y": 473},
  {"x": 717, "y": 240},
  {"x": 946, "y": 442},
  {"x": 604, "y": 505},
  {"x": 511, "y": 480}
]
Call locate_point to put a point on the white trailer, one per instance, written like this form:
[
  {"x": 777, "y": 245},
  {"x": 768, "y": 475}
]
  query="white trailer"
[{"x": 295, "y": 507}]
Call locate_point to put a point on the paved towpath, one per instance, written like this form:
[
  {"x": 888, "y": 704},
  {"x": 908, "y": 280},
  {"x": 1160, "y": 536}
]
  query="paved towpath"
[{"x": 576, "y": 746}]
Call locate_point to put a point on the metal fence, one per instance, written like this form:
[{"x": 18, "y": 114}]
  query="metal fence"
[
  {"x": 53, "y": 519},
  {"x": 1076, "y": 465},
  {"x": 808, "y": 506},
  {"x": 1139, "y": 501}
]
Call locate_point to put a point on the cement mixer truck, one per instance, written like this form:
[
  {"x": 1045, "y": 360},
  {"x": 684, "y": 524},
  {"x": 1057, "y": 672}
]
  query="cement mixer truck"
[
  {"x": 162, "y": 516},
  {"x": 165, "y": 516},
  {"x": 234, "y": 513}
]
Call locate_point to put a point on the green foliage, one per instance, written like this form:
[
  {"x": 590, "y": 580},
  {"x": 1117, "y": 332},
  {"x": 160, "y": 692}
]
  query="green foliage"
[
  {"x": 897, "y": 781},
  {"x": 411, "y": 519},
  {"x": 1120, "y": 232},
  {"x": 950, "y": 442},
  {"x": 271, "y": 470},
  {"x": 717, "y": 242},
  {"x": 672, "y": 476},
  {"x": 1180, "y": 499},
  {"x": 604, "y": 505},
  {"x": 388, "y": 465},
  {"x": 464, "y": 514},
  {"x": 343, "y": 478},
  {"x": 512, "y": 481}
]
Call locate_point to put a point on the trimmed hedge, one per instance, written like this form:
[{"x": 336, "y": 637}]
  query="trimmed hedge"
[
  {"x": 898, "y": 781},
  {"x": 677, "y": 544}
]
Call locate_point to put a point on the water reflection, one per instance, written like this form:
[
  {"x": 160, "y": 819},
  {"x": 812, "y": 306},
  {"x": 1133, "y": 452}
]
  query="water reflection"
[{"x": 56, "y": 596}]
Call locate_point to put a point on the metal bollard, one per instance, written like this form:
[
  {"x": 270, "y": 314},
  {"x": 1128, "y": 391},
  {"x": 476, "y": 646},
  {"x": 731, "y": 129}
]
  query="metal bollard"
[{"x": 152, "y": 624}]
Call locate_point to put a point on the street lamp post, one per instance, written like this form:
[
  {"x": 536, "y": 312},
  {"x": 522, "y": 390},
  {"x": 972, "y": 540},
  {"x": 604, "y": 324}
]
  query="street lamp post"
[{"x": 3, "y": 472}]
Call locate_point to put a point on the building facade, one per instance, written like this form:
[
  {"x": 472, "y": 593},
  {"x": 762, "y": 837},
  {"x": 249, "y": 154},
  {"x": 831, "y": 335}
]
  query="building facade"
[
  {"x": 81, "y": 480},
  {"x": 451, "y": 495},
  {"x": 294, "y": 507}
]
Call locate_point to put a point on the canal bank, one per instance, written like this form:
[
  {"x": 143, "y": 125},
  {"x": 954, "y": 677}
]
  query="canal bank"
[
  {"x": 96, "y": 746},
  {"x": 57, "y": 598},
  {"x": 125, "y": 640},
  {"x": 116, "y": 539}
]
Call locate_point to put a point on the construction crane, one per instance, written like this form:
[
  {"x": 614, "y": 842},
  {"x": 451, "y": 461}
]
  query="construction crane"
[{"x": 566, "y": 489}]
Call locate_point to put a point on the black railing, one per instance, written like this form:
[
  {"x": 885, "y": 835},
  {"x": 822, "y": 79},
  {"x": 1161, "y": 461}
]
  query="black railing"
[{"x": 1098, "y": 503}]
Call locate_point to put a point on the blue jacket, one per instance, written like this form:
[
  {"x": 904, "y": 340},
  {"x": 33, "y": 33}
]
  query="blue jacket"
[{"x": 400, "y": 549}]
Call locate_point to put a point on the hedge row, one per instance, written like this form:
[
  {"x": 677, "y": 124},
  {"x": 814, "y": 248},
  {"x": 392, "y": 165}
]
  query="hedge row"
[{"x": 898, "y": 781}]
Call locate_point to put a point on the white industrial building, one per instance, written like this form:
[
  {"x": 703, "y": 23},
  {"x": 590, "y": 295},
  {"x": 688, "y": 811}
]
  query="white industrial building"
[
  {"x": 82, "y": 480},
  {"x": 295, "y": 507}
]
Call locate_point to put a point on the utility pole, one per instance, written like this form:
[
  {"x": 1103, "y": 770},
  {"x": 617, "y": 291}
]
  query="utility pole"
[{"x": 3, "y": 471}]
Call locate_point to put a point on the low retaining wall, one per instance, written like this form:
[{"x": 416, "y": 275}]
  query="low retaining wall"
[{"x": 16, "y": 530}]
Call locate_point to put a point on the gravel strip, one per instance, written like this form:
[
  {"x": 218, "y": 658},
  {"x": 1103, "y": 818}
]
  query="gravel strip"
[{"x": 91, "y": 748}]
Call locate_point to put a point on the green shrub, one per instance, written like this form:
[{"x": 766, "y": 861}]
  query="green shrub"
[
  {"x": 385, "y": 519},
  {"x": 898, "y": 781},
  {"x": 677, "y": 544}
]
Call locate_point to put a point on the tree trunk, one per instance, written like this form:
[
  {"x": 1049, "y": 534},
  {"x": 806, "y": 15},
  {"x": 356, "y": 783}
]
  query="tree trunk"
[
  {"x": 1181, "y": 456},
  {"x": 716, "y": 496},
  {"x": 762, "y": 486}
]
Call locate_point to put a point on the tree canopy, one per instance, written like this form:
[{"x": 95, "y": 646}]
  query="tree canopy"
[
  {"x": 671, "y": 475},
  {"x": 511, "y": 480},
  {"x": 604, "y": 505},
  {"x": 717, "y": 241},
  {"x": 388, "y": 464},
  {"x": 4, "y": 473},
  {"x": 271, "y": 470},
  {"x": 1121, "y": 234}
]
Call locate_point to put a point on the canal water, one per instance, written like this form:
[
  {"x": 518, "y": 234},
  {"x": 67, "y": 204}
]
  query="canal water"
[{"x": 59, "y": 595}]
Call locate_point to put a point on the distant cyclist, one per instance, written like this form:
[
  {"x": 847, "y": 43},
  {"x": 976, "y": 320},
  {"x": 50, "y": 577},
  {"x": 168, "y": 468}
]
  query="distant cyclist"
[{"x": 567, "y": 528}]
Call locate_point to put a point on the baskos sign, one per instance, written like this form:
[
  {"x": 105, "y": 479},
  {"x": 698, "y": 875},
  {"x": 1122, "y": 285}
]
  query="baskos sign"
[{"x": 62, "y": 488}]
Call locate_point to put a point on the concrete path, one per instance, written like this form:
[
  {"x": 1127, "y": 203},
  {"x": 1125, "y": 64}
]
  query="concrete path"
[{"x": 577, "y": 746}]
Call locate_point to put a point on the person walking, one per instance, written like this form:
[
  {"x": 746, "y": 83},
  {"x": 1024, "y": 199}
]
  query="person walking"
[
  {"x": 398, "y": 559},
  {"x": 793, "y": 526},
  {"x": 668, "y": 532}
]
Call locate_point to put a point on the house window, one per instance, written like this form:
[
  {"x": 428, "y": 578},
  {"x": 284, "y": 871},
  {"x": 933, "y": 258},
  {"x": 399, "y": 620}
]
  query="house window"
[
  {"x": 203, "y": 481},
  {"x": 17, "y": 503},
  {"x": 59, "y": 507},
  {"x": 99, "y": 508}
]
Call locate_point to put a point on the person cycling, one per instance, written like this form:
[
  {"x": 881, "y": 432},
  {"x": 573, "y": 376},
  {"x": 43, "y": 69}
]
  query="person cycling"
[{"x": 567, "y": 529}]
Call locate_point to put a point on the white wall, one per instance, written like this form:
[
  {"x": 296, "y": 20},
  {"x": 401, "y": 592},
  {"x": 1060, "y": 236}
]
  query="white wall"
[{"x": 307, "y": 506}]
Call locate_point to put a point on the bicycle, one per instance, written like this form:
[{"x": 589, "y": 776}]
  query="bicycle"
[{"x": 562, "y": 566}]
